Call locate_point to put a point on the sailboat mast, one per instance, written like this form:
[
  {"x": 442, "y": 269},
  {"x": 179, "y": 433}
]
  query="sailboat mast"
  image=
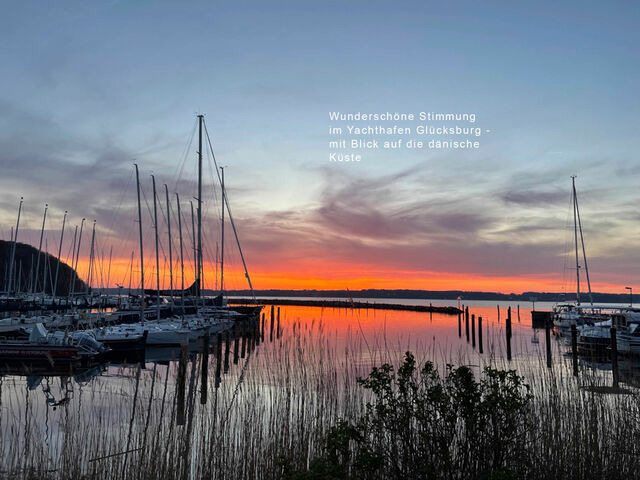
[
  {"x": 233, "y": 225},
  {"x": 166, "y": 191},
  {"x": 55, "y": 282},
  {"x": 30, "y": 289},
  {"x": 49, "y": 279},
  {"x": 44, "y": 218},
  {"x": 584, "y": 252},
  {"x": 181, "y": 252},
  {"x": 46, "y": 261},
  {"x": 222, "y": 236},
  {"x": 141, "y": 249},
  {"x": 195, "y": 250},
  {"x": 75, "y": 268},
  {"x": 109, "y": 267},
  {"x": 13, "y": 247},
  {"x": 130, "y": 271},
  {"x": 199, "y": 253},
  {"x": 102, "y": 284},
  {"x": 575, "y": 234},
  {"x": 155, "y": 227},
  {"x": 91, "y": 259},
  {"x": 73, "y": 255}
]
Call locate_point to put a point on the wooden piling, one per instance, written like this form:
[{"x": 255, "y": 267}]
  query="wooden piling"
[
  {"x": 473, "y": 331},
  {"x": 466, "y": 322},
  {"x": 272, "y": 321},
  {"x": 508, "y": 333},
  {"x": 547, "y": 335},
  {"x": 204, "y": 370},
  {"x": 262, "y": 329},
  {"x": 430, "y": 312},
  {"x": 256, "y": 331},
  {"x": 182, "y": 375},
  {"x": 574, "y": 349},
  {"x": 236, "y": 345},
  {"x": 459, "y": 324},
  {"x": 278, "y": 327},
  {"x": 227, "y": 347},
  {"x": 218, "y": 359},
  {"x": 480, "y": 334},
  {"x": 498, "y": 307},
  {"x": 251, "y": 341},
  {"x": 518, "y": 313},
  {"x": 614, "y": 357},
  {"x": 244, "y": 344}
]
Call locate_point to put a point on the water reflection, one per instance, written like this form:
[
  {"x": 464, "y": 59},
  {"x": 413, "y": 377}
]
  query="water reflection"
[
  {"x": 369, "y": 336},
  {"x": 247, "y": 391}
]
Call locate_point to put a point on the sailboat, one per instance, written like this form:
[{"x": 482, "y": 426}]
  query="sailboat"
[
  {"x": 213, "y": 309},
  {"x": 567, "y": 314},
  {"x": 186, "y": 312}
]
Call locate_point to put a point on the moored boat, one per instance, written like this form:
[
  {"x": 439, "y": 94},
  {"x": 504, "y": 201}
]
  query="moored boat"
[
  {"x": 52, "y": 348},
  {"x": 595, "y": 340}
]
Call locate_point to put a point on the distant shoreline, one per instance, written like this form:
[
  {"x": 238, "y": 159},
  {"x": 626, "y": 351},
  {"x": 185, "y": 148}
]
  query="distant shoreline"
[
  {"x": 344, "y": 304},
  {"x": 434, "y": 295},
  {"x": 598, "y": 297}
]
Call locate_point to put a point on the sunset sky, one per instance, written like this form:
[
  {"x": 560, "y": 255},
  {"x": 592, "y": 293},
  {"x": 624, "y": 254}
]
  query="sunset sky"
[{"x": 89, "y": 88}]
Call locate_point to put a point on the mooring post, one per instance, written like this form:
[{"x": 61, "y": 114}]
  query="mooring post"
[
  {"x": 473, "y": 330},
  {"x": 227, "y": 345},
  {"x": 236, "y": 345},
  {"x": 459, "y": 324},
  {"x": 256, "y": 330},
  {"x": 204, "y": 369},
  {"x": 244, "y": 344},
  {"x": 574, "y": 349},
  {"x": 480, "y": 334},
  {"x": 466, "y": 322},
  {"x": 218, "y": 359},
  {"x": 498, "y": 307},
  {"x": 262, "y": 329},
  {"x": 547, "y": 335},
  {"x": 272, "y": 320},
  {"x": 278, "y": 328},
  {"x": 614, "y": 357},
  {"x": 508, "y": 333},
  {"x": 182, "y": 375},
  {"x": 430, "y": 311},
  {"x": 518, "y": 313}
]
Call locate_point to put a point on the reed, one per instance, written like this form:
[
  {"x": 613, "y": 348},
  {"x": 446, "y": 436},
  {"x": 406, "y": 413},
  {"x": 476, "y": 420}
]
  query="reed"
[{"x": 271, "y": 414}]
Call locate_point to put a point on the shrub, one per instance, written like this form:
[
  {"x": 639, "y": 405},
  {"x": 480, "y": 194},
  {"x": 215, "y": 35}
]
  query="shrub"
[{"x": 420, "y": 425}]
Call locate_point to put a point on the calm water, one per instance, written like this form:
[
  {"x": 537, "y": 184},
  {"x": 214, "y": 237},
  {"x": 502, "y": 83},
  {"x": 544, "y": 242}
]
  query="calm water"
[
  {"x": 315, "y": 344},
  {"x": 379, "y": 335}
]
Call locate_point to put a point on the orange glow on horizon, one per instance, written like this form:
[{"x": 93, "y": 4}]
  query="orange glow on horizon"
[{"x": 326, "y": 277}]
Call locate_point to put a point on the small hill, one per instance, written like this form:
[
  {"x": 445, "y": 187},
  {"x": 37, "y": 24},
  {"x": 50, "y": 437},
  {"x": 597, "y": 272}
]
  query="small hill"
[{"x": 26, "y": 259}]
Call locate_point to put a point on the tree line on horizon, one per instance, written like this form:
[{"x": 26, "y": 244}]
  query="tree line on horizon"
[{"x": 439, "y": 295}]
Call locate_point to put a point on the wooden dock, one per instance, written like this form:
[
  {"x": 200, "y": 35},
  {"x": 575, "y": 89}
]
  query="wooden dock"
[{"x": 305, "y": 302}]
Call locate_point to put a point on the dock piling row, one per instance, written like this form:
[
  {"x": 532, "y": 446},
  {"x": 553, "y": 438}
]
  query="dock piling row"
[{"x": 508, "y": 332}]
